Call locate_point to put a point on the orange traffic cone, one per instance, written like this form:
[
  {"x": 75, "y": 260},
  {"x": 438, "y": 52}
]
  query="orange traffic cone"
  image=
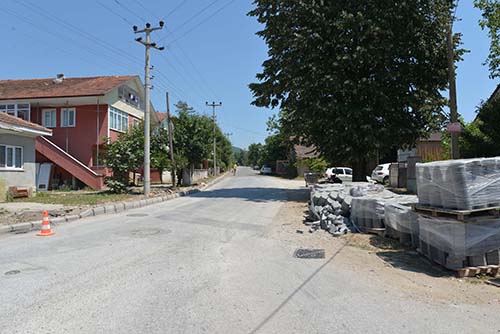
[{"x": 46, "y": 231}]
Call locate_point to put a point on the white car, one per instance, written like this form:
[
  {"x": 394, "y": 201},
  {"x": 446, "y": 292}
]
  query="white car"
[
  {"x": 343, "y": 173},
  {"x": 266, "y": 170},
  {"x": 381, "y": 173}
]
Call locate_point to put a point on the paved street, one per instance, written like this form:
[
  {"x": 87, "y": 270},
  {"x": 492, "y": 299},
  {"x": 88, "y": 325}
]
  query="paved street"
[{"x": 209, "y": 263}]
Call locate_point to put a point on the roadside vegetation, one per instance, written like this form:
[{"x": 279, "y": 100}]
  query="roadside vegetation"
[
  {"x": 193, "y": 146},
  {"x": 75, "y": 198}
]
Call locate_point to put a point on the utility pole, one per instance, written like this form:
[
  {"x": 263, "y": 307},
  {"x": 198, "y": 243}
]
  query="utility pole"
[
  {"x": 147, "y": 123},
  {"x": 455, "y": 154},
  {"x": 171, "y": 142},
  {"x": 214, "y": 105}
]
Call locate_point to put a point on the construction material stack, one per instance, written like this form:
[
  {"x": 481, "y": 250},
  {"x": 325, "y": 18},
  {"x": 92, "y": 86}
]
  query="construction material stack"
[{"x": 458, "y": 206}]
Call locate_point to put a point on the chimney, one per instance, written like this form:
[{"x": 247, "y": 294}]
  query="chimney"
[{"x": 58, "y": 79}]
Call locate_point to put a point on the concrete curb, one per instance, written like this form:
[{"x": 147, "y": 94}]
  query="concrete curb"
[{"x": 108, "y": 208}]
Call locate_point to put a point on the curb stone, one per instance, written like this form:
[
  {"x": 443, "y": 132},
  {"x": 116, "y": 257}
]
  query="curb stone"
[{"x": 105, "y": 209}]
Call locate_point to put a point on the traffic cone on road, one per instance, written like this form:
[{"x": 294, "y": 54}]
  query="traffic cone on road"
[{"x": 46, "y": 231}]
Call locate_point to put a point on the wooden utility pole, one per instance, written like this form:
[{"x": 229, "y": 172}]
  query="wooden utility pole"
[
  {"x": 455, "y": 154},
  {"x": 214, "y": 105},
  {"x": 171, "y": 142}
]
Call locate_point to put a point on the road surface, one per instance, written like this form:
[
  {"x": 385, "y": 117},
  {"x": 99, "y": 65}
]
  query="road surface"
[{"x": 209, "y": 263}]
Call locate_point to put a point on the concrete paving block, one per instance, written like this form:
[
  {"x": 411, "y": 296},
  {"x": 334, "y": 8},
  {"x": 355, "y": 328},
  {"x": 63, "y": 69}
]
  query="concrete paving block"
[
  {"x": 129, "y": 205},
  {"x": 86, "y": 213},
  {"x": 21, "y": 228},
  {"x": 58, "y": 220},
  {"x": 5, "y": 229},
  {"x": 71, "y": 218},
  {"x": 109, "y": 208},
  {"x": 143, "y": 202},
  {"x": 36, "y": 225},
  {"x": 99, "y": 210},
  {"x": 119, "y": 207}
]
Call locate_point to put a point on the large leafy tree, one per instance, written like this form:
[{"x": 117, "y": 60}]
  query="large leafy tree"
[
  {"x": 354, "y": 77},
  {"x": 491, "y": 20}
]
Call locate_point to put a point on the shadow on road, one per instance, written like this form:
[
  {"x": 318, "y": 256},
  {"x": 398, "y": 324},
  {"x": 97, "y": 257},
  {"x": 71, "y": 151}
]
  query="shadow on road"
[{"x": 258, "y": 194}]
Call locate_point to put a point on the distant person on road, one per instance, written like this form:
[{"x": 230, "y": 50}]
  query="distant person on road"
[{"x": 235, "y": 167}]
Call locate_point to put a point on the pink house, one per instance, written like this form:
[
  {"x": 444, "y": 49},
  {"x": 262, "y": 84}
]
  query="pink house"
[{"x": 82, "y": 113}]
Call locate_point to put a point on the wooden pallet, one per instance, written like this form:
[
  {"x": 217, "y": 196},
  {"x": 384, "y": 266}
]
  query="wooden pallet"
[
  {"x": 460, "y": 215},
  {"x": 372, "y": 230},
  {"x": 492, "y": 270}
]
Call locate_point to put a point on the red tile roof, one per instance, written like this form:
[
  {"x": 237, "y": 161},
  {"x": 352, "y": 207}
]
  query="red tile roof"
[
  {"x": 160, "y": 116},
  {"x": 16, "y": 121},
  {"x": 69, "y": 87}
]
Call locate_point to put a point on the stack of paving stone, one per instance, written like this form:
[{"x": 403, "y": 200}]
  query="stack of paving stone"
[
  {"x": 401, "y": 224},
  {"x": 455, "y": 244},
  {"x": 459, "y": 184},
  {"x": 340, "y": 208},
  {"x": 449, "y": 190},
  {"x": 368, "y": 212}
]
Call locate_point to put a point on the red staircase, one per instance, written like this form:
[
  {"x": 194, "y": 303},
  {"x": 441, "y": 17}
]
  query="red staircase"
[{"x": 64, "y": 160}]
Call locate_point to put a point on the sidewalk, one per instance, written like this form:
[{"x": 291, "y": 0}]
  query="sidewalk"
[{"x": 23, "y": 217}]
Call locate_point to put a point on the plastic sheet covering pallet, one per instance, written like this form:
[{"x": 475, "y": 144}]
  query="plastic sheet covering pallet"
[
  {"x": 401, "y": 224},
  {"x": 459, "y": 184},
  {"x": 459, "y": 246}
]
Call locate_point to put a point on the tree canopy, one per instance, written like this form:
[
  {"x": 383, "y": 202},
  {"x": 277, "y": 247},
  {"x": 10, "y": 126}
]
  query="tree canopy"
[
  {"x": 491, "y": 20},
  {"x": 354, "y": 77}
]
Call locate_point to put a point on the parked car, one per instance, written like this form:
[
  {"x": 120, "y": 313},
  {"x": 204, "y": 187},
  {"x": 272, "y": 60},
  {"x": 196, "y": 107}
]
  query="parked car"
[
  {"x": 343, "y": 173},
  {"x": 381, "y": 173},
  {"x": 256, "y": 167},
  {"x": 266, "y": 170}
]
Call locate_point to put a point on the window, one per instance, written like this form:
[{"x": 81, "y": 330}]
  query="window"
[
  {"x": 348, "y": 171},
  {"x": 118, "y": 120},
  {"x": 68, "y": 118},
  {"x": 49, "y": 118},
  {"x": 11, "y": 157},
  {"x": 21, "y": 110}
]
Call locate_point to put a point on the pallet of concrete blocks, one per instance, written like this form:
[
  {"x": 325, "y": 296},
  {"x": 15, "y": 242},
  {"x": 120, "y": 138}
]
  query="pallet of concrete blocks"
[
  {"x": 401, "y": 224},
  {"x": 461, "y": 246},
  {"x": 459, "y": 184},
  {"x": 368, "y": 214}
]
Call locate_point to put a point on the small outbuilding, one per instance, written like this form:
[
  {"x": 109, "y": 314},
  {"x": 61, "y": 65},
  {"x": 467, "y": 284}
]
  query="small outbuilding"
[{"x": 18, "y": 169}]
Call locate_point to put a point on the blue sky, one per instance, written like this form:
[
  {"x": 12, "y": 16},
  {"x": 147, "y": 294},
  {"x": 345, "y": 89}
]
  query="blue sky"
[{"x": 212, "y": 52}]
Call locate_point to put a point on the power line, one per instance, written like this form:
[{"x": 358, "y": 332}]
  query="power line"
[
  {"x": 113, "y": 12},
  {"x": 176, "y": 8},
  {"x": 201, "y": 22},
  {"x": 129, "y": 10},
  {"x": 191, "y": 18}
]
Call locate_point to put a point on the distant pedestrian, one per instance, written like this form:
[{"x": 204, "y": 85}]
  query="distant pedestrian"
[{"x": 235, "y": 167}]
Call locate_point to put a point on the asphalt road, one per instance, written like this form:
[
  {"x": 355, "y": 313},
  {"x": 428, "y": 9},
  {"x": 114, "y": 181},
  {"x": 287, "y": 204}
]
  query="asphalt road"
[{"x": 202, "y": 264}]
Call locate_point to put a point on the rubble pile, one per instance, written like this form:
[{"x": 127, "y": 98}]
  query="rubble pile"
[{"x": 329, "y": 209}]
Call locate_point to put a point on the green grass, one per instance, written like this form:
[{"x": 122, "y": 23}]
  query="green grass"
[{"x": 75, "y": 198}]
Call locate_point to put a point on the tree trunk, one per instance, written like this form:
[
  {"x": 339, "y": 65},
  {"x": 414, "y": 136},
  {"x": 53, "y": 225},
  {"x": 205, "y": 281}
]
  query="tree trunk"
[
  {"x": 359, "y": 169},
  {"x": 161, "y": 175}
]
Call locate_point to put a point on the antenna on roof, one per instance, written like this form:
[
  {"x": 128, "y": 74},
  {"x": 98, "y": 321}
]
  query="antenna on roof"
[{"x": 58, "y": 79}]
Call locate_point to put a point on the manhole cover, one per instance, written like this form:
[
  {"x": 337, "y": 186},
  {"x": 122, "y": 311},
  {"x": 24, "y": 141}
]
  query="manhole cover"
[
  {"x": 13, "y": 272},
  {"x": 145, "y": 232},
  {"x": 309, "y": 253},
  {"x": 137, "y": 215}
]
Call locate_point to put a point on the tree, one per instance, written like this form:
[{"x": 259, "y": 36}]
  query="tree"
[
  {"x": 193, "y": 138},
  {"x": 254, "y": 153},
  {"x": 160, "y": 149},
  {"x": 275, "y": 148},
  {"x": 480, "y": 138},
  {"x": 491, "y": 21},
  {"x": 354, "y": 78}
]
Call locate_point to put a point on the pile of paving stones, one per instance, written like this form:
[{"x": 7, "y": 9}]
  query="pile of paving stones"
[{"x": 333, "y": 206}]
